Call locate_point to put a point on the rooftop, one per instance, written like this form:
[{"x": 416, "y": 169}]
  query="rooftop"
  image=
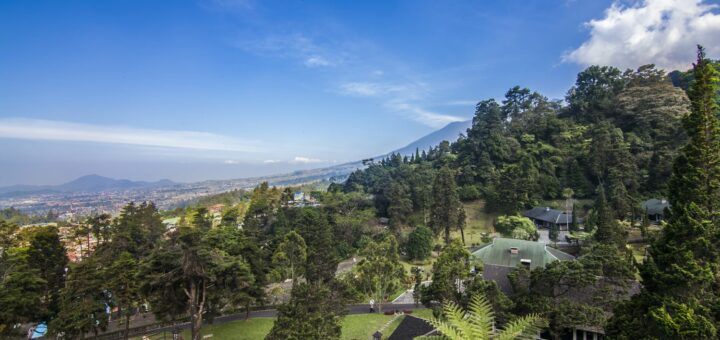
[
  {"x": 509, "y": 252},
  {"x": 547, "y": 214},
  {"x": 655, "y": 206}
]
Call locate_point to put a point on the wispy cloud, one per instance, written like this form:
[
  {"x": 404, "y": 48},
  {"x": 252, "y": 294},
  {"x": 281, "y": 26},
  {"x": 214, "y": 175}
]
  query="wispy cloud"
[
  {"x": 295, "y": 46},
  {"x": 371, "y": 89},
  {"x": 661, "y": 32},
  {"x": 271, "y": 161},
  {"x": 231, "y": 162},
  {"x": 401, "y": 98},
  {"x": 34, "y": 129},
  {"x": 317, "y": 61},
  {"x": 461, "y": 103},
  {"x": 423, "y": 116}
]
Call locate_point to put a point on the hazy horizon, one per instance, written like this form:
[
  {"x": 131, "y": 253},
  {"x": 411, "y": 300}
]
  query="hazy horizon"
[{"x": 217, "y": 89}]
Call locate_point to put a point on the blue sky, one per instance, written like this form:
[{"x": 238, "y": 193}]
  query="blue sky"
[{"x": 205, "y": 89}]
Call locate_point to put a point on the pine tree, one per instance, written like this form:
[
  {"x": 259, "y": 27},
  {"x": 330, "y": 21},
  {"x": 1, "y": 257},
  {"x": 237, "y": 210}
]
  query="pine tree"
[
  {"x": 322, "y": 259},
  {"x": 400, "y": 204},
  {"x": 47, "y": 254},
  {"x": 680, "y": 297},
  {"x": 645, "y": 224},
  {"x": 574, "y": 226},
  {"x": 553, "y": 233},
  {"x": 313, "y": 312},
  {"x": 291, "y": 254},
  {"x": 446, "y": 203},
  {"x": 607, "y": 228}
]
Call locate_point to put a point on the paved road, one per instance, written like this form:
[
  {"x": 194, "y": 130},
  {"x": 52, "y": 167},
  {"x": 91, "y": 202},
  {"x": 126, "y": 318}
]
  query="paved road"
[{"x": 407, "y": 297}]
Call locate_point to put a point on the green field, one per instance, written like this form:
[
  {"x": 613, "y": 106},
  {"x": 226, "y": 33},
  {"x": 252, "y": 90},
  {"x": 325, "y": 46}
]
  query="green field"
[
  {"x": 360, "y": 327},
  {"x": 477, "y": 222}
]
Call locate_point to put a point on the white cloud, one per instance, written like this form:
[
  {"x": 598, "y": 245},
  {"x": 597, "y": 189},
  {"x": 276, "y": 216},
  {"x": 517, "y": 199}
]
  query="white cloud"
[
  {"x": 367, "y": 89},
  {"x": 271, "y": 161},
  {"x": 231, "y": 162},
  {"x": 660, "y": 32},
  {"x": 35, "y": 129},
  {"x": 317, "y": 61},
  {"x": 307, "y": 160},
  {"x": 295, "y": 46},
  {"x": 418, "y": 114}
]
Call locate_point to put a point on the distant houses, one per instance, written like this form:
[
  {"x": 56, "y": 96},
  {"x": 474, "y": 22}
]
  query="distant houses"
[
  {"x": 301, "y": 199},
  {"x": 545, "y": 217},
  {"x": 655, "y": 209},
  {"x": 299, "y": 196},
  {"x": 504, "y": 255}
]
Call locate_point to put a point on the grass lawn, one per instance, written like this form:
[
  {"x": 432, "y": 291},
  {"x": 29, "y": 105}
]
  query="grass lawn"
[
  {"x": 359, "y": 326},
  {"x": 392, "y": 327},
  {"x": 249, "y": 329},
  {"x": 425, "y": 265},
  {"x": 425, "y": 313},
  {"x": 477, "y": 222},
  {"x": 362, "y": 326},
  {"x": 638, "y": 250}
]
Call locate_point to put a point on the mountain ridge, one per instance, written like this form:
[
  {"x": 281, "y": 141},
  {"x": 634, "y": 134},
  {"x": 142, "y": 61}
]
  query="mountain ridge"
[
  {"x": 450, "y": 132},
  {"x": 87, "y": 183},
  {"x": 97, "y": 183}
]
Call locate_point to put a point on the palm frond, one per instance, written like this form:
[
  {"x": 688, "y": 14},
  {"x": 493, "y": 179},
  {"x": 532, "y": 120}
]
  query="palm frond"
[
  {"x": 482, "y": 317},
  {"x": 456, "y": 317},
  {"x": 447, "y": 330},
  {"x": 526, "y": 327}
]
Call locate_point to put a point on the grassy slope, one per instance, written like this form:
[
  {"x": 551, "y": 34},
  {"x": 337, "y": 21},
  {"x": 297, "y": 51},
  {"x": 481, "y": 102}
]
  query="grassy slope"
[
  {"x": 425, "y": 313},
  {"x": 392, "y": 327},
  {"x": 477, "y": 222}
]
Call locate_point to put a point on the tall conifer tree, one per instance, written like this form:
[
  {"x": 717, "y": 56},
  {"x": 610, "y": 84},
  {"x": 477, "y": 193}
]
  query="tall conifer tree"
[
  {"x": 679, "y": 299},
  {"x": 445, "y": 210}
]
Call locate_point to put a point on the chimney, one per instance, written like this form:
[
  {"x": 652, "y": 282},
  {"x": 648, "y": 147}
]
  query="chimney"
[{"x": 514, "y": 250}]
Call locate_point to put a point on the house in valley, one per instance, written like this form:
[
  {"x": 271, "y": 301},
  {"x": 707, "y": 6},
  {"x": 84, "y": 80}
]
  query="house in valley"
[
  {"x": 655, "y": 209},
  {"x": 504, "y": 255},
  {"x": 545, "y": 217}
]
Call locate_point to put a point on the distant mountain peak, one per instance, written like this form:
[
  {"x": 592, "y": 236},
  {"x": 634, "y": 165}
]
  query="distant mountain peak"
[{"x": 450, "y": 133}]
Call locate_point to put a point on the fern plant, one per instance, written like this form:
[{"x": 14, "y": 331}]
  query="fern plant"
[{"x": 478, "y": 323}]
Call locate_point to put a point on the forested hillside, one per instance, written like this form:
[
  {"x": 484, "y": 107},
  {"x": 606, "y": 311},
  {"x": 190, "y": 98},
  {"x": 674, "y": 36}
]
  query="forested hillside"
[
  {"x": 616, "y": 129},
  {"x": 618, "y": 138}
]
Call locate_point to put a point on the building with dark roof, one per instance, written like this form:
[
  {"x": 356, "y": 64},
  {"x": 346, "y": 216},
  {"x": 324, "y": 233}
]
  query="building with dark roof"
[
  {"x": 544, "y": 217},
  {"x": 655, "y": 208},
  {"x": 504, "y": 255},
  {"x": 411, "y": 327}
]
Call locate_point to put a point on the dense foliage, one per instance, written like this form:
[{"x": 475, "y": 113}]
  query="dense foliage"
[
  {"x": 680, "y": 298},
  {"x": 620, "y": 130},
  {"x": 618, "y": 138}
]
